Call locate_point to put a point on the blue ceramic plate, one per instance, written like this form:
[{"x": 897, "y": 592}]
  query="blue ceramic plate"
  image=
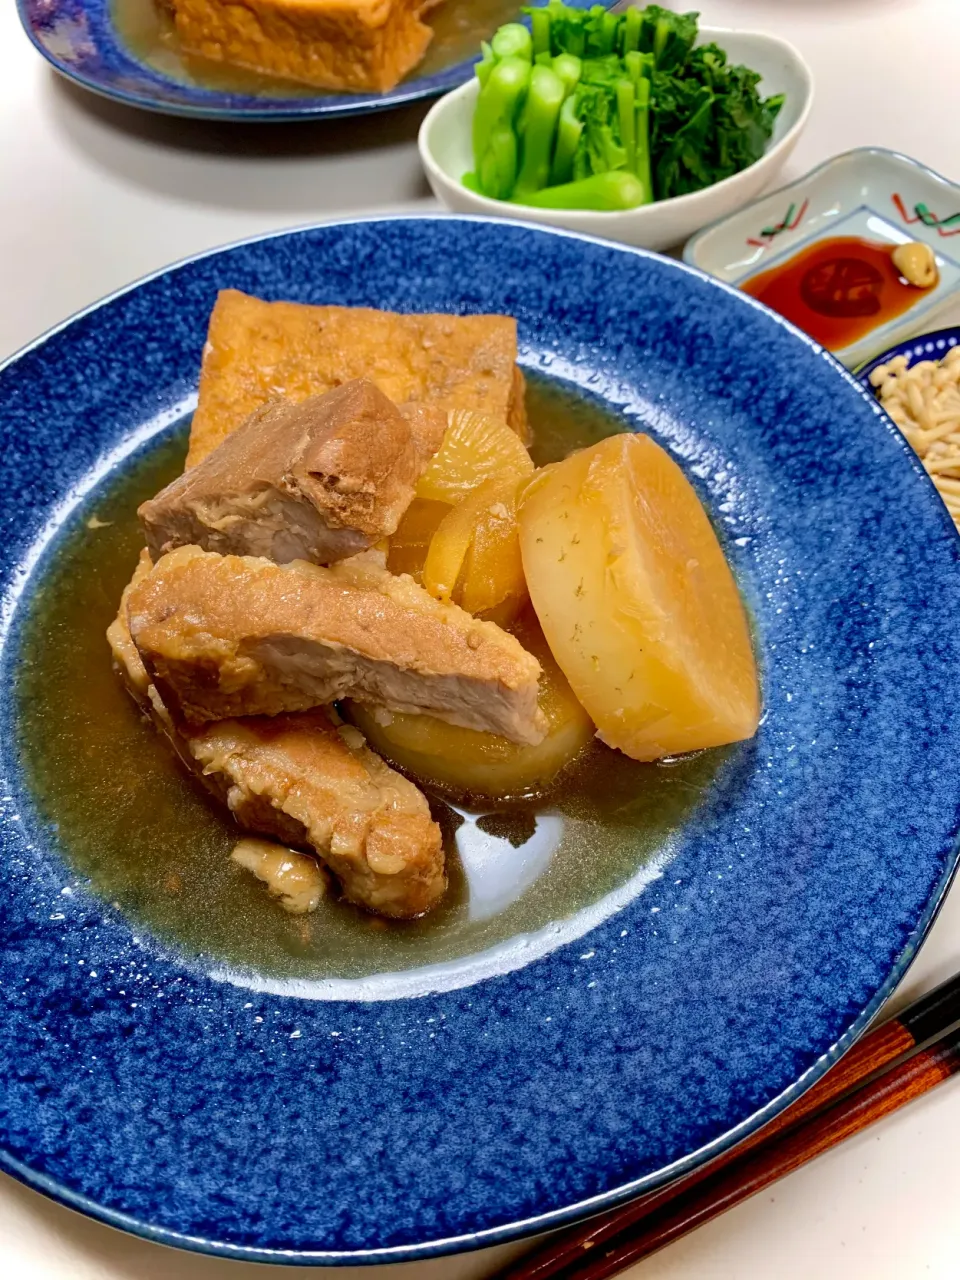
[
  {"x": 81, "y": 39},
  {"x": 923, "y": 346},
  {"x": 514, "y": 1087}
]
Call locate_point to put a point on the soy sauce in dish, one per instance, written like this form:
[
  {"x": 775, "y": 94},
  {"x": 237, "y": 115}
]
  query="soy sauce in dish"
[{"x": 837, "y": 290}]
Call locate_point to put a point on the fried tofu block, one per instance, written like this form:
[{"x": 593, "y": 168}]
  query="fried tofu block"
[
  {"x": 226, "y": 636},
  {"x": 321, "y": 479},
  {"x": 309, "y": 783},
  {"x": 346, "y": 45},
  {"x": 257, "y": 351}
]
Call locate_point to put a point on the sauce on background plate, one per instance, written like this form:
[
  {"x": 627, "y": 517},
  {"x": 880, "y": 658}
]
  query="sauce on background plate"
[{"x": 837, "y": 290}]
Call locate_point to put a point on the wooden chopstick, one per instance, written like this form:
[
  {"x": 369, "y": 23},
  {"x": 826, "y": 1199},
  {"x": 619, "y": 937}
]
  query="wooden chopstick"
[{"x": 632, "y": 1226}]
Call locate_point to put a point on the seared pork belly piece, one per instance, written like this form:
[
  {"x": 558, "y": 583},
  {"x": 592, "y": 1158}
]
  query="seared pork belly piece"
[
  {"x": 229, "y": 636},
  {"x": 307, "y": 782},
  {"x": 260, "y": 351},
  {"x": 296, "y": 880},
  {"x": 125, "y": 657},
  {"x": 320, "y": 479}
]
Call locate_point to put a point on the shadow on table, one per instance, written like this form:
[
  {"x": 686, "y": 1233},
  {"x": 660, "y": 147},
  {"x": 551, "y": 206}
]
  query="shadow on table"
[
  {"x": 200, "y": 160},
  {"x": 118, "y": 1256}
]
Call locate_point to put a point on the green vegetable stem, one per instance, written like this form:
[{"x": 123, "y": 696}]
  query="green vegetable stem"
[
  {"x": 642, "y": 166},
  {"x": 538, "y": 127},
  {"x": 632, "y": 23},
  {"x": 627, "y": 119},
  {"x": 602, "y": 192},
  {"x": 498, "y": 104},
  {"x": 497, "y": 172},
  {"x": 512, "y": 41},
  {"x": 569, "y": 132},
  {"x": 568, "y": 68}
]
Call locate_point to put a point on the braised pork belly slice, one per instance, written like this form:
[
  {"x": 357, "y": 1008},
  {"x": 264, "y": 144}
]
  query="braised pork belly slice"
[
  {"x": 320, "y": 480},
  {"x": 224, "y": 636},
  {"x": 295, "y": 880},
  {"x": 310, "y": 783}
]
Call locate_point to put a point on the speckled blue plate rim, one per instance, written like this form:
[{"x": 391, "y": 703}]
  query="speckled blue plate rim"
[
  {"x": 538, "y": 1223},
  {"x": 164, "y": 96}
]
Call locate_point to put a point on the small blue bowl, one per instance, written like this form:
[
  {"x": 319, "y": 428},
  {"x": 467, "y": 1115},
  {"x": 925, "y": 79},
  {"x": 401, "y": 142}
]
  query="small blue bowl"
[
  {"x": 79, "y": 38},
  {"x": 373, "y": 1120},
  {"x": 924, "y": 346}
]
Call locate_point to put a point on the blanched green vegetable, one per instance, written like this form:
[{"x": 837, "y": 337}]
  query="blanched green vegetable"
[
  {"x": 498, "y": 106},
  {"x": 512, "y": 41},
  {"x": 569, "y": 130},
  {"x": 569, "y": 69},
  {"x": 642, "y": 167},
  {"x": 667, "y": 35},
  {"x": 497, "y": 175},
  {"x": 587, "y": 93},
  {"x": 602, "y": 192},
  {"x": 538, "y": 128}
]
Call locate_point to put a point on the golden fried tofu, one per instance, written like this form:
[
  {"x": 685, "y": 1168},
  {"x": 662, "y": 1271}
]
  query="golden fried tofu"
[
  {"x": 346, "y": 45},
  {"x": 258, "y": 351}
]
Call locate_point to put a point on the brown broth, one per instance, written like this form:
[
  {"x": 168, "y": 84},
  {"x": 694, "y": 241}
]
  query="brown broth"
[
  {"x": 147, "y": 29},
  {"x": 145, "y": 836}
]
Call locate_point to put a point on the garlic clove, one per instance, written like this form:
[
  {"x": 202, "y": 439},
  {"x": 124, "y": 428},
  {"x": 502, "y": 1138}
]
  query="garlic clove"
[{"x": 917, "y": 264}]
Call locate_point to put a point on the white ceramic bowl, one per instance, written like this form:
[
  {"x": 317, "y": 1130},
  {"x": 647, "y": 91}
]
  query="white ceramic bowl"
[{"x": 446, "y": 152}]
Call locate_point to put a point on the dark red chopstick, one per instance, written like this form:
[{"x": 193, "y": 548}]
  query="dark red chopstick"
[{"x": 631, "y": 1232}]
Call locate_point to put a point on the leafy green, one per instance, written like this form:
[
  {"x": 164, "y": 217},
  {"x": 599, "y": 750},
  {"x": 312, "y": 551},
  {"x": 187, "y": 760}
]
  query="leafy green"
[
  {"x": 628, "y": 94},
  {"x": 667, "y": 35}
]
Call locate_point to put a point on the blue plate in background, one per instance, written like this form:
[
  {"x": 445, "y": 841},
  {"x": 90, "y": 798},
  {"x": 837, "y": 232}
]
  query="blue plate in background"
[
  {"x": 80, "y": 39},
  {"x": 619, "y": 1047}
]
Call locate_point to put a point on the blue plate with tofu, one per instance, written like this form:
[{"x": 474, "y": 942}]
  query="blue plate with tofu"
[
  {"x": 310, "y": 1006},
  {"x": 269, "y": 60}
]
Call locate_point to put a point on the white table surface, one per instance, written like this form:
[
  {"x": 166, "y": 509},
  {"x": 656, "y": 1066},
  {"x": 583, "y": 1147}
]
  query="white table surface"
[{"x": 93, "y": 196}]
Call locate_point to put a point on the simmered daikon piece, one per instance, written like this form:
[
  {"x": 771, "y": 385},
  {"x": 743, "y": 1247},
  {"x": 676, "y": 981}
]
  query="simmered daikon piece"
[
  {"x": 407, "y": 548},
  {"x": 475, "y": 448},
  {"x": 482, "y": 764},
  {"x": 636, "y": 600},
  {"x": 474, "y": 556}
]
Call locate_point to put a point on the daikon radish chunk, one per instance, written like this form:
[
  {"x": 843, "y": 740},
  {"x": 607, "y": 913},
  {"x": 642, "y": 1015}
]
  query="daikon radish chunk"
[
  {"x": 474, "y": 555},
  {"x": 408, "y": 547},
  {"x": 636, "y": 600},
  {"x": 475, "y": 449}
]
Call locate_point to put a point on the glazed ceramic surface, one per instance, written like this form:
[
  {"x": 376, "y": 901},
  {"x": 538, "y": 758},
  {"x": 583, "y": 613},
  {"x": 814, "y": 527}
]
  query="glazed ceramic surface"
[
  {"x": 575, "y": 1066},
  {"x": 446, "y": 153},
  {"x": 80, "y": 39},
  {"x": 869, "y": 193}
]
